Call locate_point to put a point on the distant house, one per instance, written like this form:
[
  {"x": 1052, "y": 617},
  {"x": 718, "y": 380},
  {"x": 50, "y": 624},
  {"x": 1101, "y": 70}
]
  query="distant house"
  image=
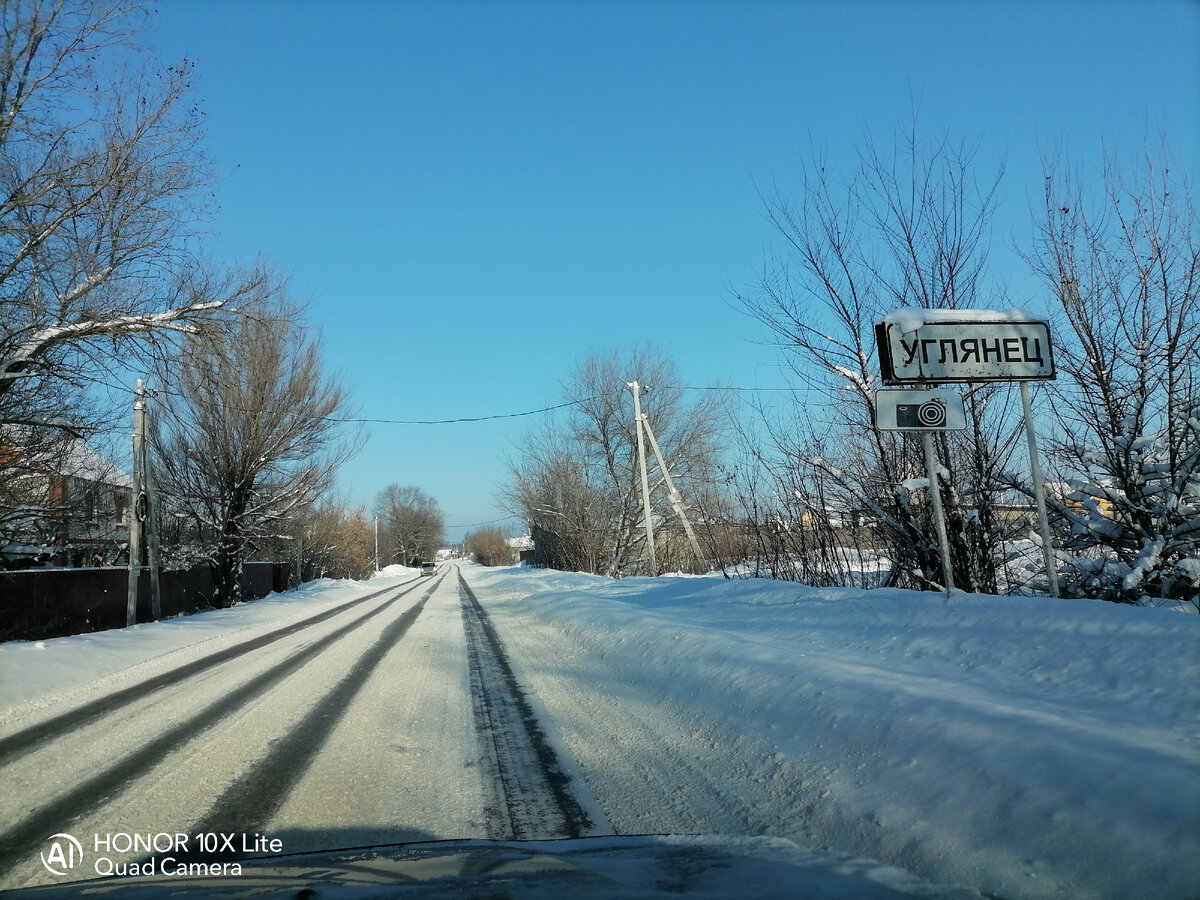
[
  {"x": 73, "y": 510},
  {"x": 1081, "y": 497},
  {"x": 525, "y": 542},
  {"x": 521, "y": 548},
  {"x": 1017, "y": 511}
]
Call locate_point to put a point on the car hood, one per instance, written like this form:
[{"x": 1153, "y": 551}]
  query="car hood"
[{"x": 601, "y": 867}]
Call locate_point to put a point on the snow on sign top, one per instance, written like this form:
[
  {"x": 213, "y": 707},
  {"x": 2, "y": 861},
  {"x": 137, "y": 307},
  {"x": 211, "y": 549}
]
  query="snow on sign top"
[{"x": 944, "y": 346}]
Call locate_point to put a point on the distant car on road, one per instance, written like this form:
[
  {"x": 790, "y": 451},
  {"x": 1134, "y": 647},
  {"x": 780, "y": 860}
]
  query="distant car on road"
[{"x": 428, "y": 568}]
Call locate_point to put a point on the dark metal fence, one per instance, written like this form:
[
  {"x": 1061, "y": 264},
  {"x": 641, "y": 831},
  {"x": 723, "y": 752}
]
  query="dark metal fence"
[{"x": 46, "y": 603}]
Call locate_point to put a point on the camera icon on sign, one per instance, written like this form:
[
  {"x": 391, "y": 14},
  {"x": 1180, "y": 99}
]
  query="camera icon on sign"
[
  {"x": 930, "y": 414},
  {"x": 919, "y": 410}
]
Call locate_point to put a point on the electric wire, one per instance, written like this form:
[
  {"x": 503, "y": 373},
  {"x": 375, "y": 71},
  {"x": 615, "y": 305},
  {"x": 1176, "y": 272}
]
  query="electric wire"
[
  {"x": 531, "y": 412},
  {"x": 544, "y": 409},
  {"x": 489, "y": 522}
]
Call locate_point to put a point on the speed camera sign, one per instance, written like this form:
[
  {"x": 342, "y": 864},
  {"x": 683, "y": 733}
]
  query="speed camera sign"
[{"x": 937, "y": 410}]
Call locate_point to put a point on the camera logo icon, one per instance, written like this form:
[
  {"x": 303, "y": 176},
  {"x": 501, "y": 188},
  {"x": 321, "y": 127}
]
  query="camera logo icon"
[{"x": 930, "y": 414}]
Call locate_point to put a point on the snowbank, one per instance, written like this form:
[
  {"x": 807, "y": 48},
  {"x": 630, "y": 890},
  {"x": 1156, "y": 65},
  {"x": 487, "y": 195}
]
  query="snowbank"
[{"x": 1026, "y": 746}]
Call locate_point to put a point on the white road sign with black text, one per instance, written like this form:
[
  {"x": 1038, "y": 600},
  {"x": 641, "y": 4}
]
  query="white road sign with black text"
[{"x": 962, "y": 351}]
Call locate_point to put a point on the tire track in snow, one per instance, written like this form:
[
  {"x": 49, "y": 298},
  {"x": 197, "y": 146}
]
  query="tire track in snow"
[
  {"x": 252, "y": 800},
  {"x": 529, "y": 793},
  {"x": 22, "y": 840},
  {"x": 29, "y": 739}
]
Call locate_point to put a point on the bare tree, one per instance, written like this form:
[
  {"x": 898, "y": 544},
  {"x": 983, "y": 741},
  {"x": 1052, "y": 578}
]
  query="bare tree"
[
  {"x": 338, "y": 542},
  {"x": 576, "y": 479},
  {"x": 250, "y": 435},
  {"x": 908, "y": 227},
  {"x": 99, "y": 180},
  {"x": 410, "y": 525},
  {"x": 99, "y": 170},
  {"x": 1124, "y": 267},
  {"x": 560, "y": 497},
  {"x": 489, "y": 547}
]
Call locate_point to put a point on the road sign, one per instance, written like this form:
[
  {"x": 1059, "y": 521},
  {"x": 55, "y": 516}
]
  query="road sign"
[
  {"x": 938, "y": 410},
  {"x": 948, "y": 346}
]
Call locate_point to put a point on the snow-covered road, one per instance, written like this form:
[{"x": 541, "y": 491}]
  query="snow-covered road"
[
  {"x": 354, "y": 729},
  {"x": 1023, "y": 747}
]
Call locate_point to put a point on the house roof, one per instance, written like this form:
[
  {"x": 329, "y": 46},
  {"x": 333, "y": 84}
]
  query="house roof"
[
  {"x": 75, "y": 459},
  {"x": 82, "y": 461}
]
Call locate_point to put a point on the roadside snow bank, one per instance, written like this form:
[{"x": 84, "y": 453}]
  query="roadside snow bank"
[{"x": 1026, "y": 746}]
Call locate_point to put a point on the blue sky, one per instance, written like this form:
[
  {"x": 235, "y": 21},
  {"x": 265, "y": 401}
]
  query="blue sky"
[{"x": 474, "y": 195}]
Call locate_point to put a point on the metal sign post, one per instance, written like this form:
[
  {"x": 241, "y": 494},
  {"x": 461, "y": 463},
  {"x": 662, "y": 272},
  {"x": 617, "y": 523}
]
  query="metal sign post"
[
  {"x": 939, "y": 517},
  {"x": 1039, "y": 491}
]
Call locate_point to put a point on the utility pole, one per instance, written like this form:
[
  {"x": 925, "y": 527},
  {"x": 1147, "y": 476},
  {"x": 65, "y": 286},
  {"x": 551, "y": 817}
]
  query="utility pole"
[
  {"x": 672, "y": 494},
  {"x": 143, "y": 519},
  {"x": 641, "y": 447},
  {"x": 137, "y": 507},
  {"x": 152, "y": 523}
]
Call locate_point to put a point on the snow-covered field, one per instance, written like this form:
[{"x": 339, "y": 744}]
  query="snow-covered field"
[{"x": 1024, "y": 746}]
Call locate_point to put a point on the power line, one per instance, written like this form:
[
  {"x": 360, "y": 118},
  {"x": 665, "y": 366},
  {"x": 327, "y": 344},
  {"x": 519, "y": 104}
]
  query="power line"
[
  {"x": 167, "y": 392},
  {"x": 489, "y": 522},
  {"x": 544, "y": 409},
  {"x": 748, "y": 390},
  {"x": 532, "y": 412}
]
